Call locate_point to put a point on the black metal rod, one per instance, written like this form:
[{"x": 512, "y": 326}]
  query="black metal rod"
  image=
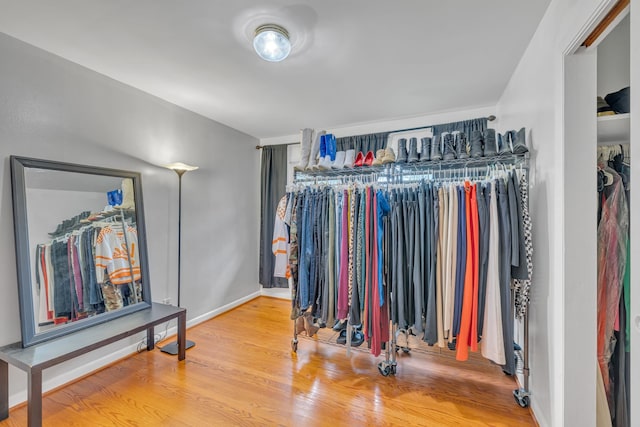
[
  {"x": 260, "y": 147},
  {"x": 174, "y": 347},
  {"x": 179, "y": 230}
]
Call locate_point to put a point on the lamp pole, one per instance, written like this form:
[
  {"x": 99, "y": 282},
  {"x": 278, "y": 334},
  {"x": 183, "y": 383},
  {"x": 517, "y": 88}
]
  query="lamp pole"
[
  {"x": 180, "y": 173},
  {"x": 180, "y": 169}
]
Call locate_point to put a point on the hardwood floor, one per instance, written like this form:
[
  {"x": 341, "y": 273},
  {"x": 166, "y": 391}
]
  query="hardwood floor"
[{"x": 242, "y": 372}]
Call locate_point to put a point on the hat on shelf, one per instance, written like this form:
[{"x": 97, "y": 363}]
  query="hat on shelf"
[
  {"x": 619, "y": 101},
  {"x": 604, "y": 109}
]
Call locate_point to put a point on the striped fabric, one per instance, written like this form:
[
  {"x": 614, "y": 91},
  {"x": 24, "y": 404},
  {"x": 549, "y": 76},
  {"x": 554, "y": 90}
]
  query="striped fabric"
[
  {"x": 113, "y": 255},
  {"x": 522, "y": 287}
]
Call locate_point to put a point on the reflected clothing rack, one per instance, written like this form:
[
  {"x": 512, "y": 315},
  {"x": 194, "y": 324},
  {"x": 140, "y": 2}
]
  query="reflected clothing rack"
[{"x": 68, "y": 280}]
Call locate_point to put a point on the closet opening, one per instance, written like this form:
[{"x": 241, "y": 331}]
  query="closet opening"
[{"x": 597, "y": 174}]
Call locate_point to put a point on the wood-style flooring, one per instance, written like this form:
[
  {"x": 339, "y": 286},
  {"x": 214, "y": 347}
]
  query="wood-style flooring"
[{"x": 242, "y": 372}]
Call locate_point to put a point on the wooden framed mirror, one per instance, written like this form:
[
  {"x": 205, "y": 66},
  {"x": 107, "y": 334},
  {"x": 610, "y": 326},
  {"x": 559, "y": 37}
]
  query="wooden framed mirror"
[{"x": 81, "y": 250}]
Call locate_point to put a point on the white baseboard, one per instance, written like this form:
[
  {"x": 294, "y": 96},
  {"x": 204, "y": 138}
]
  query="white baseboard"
[
  {"x": 220, "y": 310},
  {"x": 99, "y": 363},
  {"x": 282, "y": 293}
]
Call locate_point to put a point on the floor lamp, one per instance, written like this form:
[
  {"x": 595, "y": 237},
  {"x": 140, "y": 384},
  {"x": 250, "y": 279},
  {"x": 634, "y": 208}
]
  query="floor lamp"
[{"x": 180, "y": 169}]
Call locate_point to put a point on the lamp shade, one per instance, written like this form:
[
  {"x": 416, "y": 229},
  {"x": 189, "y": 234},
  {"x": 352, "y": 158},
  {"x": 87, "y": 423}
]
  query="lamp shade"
[
  {"x": 271, "y": 42},
  {"x": 180, "y": 167}
]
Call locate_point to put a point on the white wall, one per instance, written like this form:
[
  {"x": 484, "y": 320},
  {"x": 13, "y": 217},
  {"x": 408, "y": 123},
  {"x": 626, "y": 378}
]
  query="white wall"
[
  {"x": 53, "y": 109},
  {"x": 614, "y": 59},
  {"x": 534, "y": 99}
]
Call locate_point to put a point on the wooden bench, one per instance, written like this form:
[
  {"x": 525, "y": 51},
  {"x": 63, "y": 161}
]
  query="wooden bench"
[{"x": 33, "y": 360}]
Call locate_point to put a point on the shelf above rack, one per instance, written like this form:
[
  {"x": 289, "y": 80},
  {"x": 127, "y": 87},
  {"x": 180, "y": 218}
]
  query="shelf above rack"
[
  {"x": 413, "y": 169},
  {"x": 614, "y": 129}
]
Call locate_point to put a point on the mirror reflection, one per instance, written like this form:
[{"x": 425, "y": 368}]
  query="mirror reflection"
[{"x": 83, "y": 245}]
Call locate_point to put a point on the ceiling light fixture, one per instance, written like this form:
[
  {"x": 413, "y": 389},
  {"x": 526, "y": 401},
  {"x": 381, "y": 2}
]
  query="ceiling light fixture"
[{"x": 271, "y": 42}]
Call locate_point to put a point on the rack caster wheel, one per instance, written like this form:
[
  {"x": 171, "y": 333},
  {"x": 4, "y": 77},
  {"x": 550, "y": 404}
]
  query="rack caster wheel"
[
  {"x": 294, "y": 345},
  {"x": 406, "y": 350},
  {"x": 384, "y": 369},
  {"x": 522, "y": 398},
  {"x": 393, "y": 369}
]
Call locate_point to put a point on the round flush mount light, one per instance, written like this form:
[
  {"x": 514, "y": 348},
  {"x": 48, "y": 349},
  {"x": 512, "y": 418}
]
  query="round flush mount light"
[{"x": 271, "y": 42}]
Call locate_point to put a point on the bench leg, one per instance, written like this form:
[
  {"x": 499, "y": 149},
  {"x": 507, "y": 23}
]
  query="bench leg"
[
  {"x": 151, "y": 338},
  {"x": 34, "y": 395},
  {"x": 182, "y": 335},
  {"x": 4, "y": 390}
]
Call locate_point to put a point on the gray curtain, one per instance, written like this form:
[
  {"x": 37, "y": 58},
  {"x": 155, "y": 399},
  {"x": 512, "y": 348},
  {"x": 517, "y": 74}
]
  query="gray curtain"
[
  {"x": 466, "y": 126},
  {"x": 364, "y": 143},
  {"x": 273, "y": 185}
]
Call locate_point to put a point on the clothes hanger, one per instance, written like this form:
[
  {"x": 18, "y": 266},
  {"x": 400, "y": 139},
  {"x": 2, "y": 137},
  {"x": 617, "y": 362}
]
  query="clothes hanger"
[{"x": 608, "y": 176}]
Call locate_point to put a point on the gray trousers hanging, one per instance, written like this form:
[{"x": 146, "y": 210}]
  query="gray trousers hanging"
[
  {"x": 399, "y": 257},
  {"x": 414, "y": 264},
  {"x": 461, "y": 260},
  {"x": 431, "y": 328},
  {"x": 409, "y": 242},
  {"x": 505, "y": 276}
]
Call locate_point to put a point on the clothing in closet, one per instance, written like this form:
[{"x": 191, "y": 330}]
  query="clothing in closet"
[{"x": 612, "y": 289}]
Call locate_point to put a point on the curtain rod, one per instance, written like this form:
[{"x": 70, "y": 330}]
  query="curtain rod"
[
  {"x": 489, "y": 118},
  {"x": 260, "y": 147}
]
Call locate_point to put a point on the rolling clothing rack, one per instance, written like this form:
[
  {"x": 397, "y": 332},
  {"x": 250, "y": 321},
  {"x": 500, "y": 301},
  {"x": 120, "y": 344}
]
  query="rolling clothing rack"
[{"x": 389, "y": 179}]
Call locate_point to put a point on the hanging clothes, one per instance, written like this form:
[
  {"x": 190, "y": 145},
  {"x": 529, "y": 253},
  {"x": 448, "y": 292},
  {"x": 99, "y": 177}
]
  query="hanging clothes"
[
  {"x": 117, "y": 255},
  {"x": 280, "y": 242},
  {"x": 436, "y": 259},
  {"x": 492, "y": 333},
  {"x": 72, "y": 268},
  {"x": 451, "y": 263},
  {"x": 612, "y": 260},
  {"x": 613, "y": 232},
  {"x": 522, "y": 284}
]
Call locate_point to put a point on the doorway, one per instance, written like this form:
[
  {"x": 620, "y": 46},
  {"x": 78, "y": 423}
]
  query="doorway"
[{"x": 596, "y": 342}]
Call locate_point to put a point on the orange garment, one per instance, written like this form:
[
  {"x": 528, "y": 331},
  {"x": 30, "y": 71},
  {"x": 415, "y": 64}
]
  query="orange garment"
[
  {"x": 475, "y": 222},
  {"x": 118, "y": 258},
  {"x": 470, "y": 297}
]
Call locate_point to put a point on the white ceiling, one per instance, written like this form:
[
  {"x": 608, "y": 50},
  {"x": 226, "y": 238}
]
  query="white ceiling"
[{"x": 352, "y": 62}]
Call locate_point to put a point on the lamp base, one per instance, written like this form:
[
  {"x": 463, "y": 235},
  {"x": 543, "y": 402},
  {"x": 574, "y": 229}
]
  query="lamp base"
[{"x": 172, "y": 348}]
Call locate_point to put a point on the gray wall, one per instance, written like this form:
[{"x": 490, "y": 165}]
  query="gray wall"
[
  {"x": 51, "y": 108},
  {"x": 614, "y": 59},
  {"x": 562, "y": 309}
]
